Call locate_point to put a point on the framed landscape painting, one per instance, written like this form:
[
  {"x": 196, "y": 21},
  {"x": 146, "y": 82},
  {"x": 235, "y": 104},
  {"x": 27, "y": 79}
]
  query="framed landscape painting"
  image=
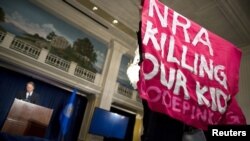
[{"x": 36, "y": 26}]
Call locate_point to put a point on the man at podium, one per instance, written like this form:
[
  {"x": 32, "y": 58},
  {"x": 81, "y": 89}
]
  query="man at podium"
[
  {"x": 26, "y": 117},
  {"x": 29, "y": 95}
]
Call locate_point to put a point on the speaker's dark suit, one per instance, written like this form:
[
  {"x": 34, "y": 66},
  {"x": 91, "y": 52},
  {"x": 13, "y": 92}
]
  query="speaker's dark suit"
[{"x": 32, "y": 99}]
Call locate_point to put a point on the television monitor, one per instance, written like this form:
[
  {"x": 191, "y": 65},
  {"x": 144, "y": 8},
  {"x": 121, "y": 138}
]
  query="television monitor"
[{"x": 108, "y": 124}]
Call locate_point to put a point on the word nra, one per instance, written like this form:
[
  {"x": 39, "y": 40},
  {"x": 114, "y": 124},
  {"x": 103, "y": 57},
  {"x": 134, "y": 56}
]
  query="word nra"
[
  {"x": 199, "y": 64},
  {"x": 216, "y": 132}
]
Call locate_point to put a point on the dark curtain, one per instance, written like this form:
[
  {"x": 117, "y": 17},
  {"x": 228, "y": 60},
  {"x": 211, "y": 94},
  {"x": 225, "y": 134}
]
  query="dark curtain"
[
  {"x": 130, "y": 127},
  {"x": 49, "y": 96}
]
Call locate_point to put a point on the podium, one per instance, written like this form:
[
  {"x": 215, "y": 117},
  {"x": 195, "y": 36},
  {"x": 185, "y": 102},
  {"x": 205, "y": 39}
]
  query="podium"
[{"x": 27, "y": 119}]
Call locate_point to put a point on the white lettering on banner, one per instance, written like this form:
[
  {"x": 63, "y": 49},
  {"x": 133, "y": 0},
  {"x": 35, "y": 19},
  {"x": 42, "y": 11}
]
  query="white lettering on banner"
[
  {"x": 212, "y": 93},
  {"x": 198, "y": 38},
  {"x": 222, "y": 81},
  {"x": 156, "y": 91},
  {"x": 234, "y": 118},
  {"x": 220, "y": 93},
  {"x": 185, "y": 26},
  {"x": 166, "y": 99},
  {"x": 200, "y": 95},
  {"x": 196, "y": 57},
  {"x": 163, "y": 19},
  {"x": 180, "y": 77},
  {"x": 178, "y": 80},
  {"x": 171, "y": 57},
  {"x": 184, "y": 59},
  {"x": 181, "y": 81},
  {"x": 176, "y": 104},
  {"x": 179, "y": 105},
  {"x": 171, "y": 77},
  {"x": 204, "y": 67},
  {"x": 201, "y": 114},
  {"x": 215, "y": 95},
  {"x": 155, "y": 66},
  {"x": 150, "y": 34},
  {"x": 213, "y": 72},
  {"x": 186, "y": 107},
  {"x": 175, "y": 23}
]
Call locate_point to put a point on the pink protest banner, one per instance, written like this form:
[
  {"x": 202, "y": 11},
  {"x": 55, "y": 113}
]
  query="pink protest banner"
[{"x": 187, "y": 72}]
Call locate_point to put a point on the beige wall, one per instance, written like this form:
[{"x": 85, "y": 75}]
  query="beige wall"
[{"x": 243, "y": 96}]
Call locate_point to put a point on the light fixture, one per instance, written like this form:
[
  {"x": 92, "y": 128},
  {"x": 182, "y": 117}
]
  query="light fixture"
[
  {"x": 95, "y": 8},
  {"x": 115, "y": 22}
]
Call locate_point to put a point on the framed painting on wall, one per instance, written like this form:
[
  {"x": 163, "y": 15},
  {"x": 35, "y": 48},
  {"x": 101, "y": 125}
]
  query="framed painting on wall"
[{"x": 37, "y": 26}]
